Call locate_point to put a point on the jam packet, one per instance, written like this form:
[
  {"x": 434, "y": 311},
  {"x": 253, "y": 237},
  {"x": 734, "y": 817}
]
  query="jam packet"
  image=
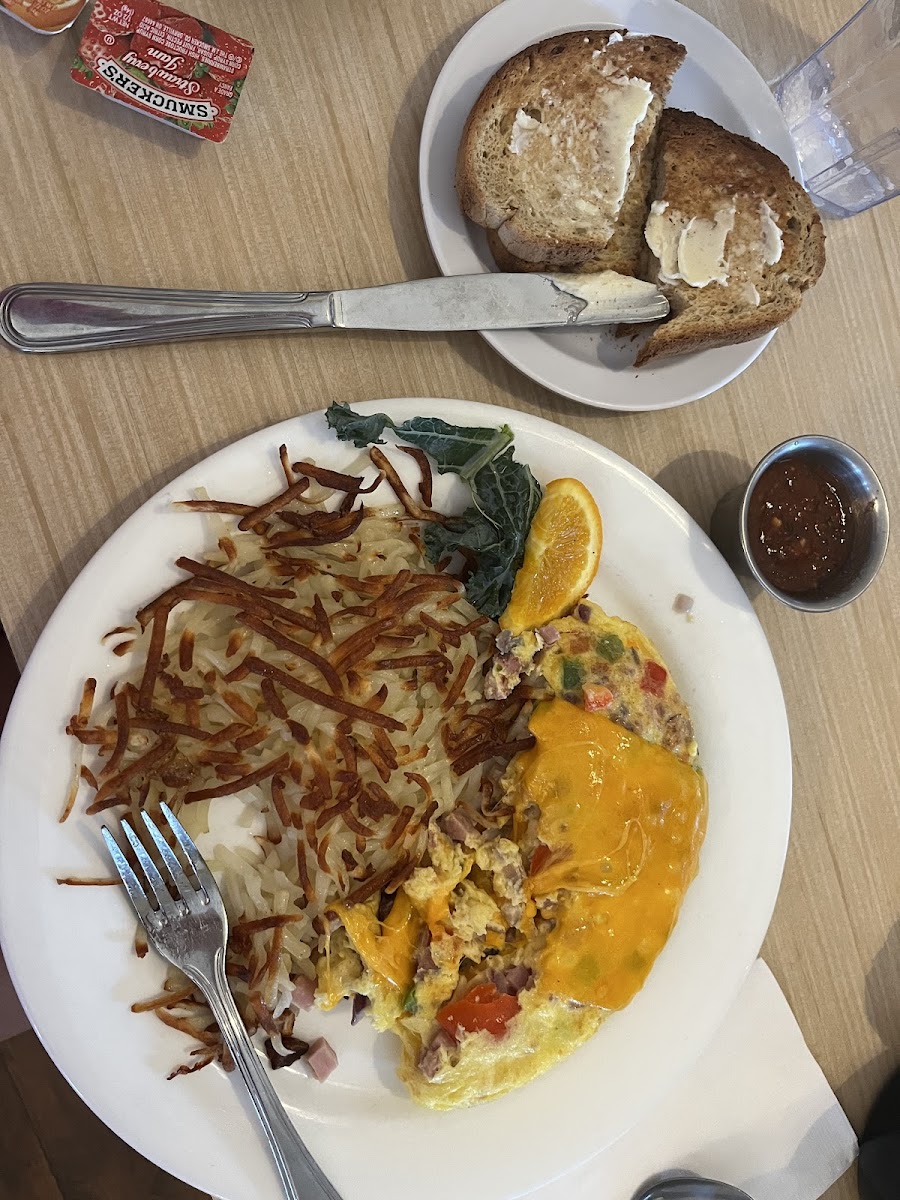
[
  {"x": 164, "y": 63},
  {"x": 46, "y": 16}
]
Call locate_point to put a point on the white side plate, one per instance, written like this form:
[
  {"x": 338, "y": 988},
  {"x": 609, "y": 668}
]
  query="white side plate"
[{"x": 716, "y": 80}]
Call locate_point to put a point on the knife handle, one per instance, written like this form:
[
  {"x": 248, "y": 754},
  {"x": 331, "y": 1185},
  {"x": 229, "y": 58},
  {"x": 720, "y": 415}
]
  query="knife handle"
[{"x": 50, "y": 317}]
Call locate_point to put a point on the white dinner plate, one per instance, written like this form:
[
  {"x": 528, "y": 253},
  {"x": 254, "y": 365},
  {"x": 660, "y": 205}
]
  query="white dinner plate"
[
  {"x": 715, "y": 80},
  {"x": 69, "y": 950}
]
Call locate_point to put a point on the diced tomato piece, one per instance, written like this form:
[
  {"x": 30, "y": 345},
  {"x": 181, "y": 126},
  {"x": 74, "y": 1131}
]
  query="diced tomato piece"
[
  {"x": 596, "y": 697},
  {"x": 539, "y": 858},
  {"x": 481, "y": 1008},
  {"x": 654, "y": 679}
]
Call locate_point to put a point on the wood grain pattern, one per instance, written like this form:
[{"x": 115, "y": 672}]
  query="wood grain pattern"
[
  {"x": 26, "y": 1173},
  {"x": 316, "y": 187},
  {"x": 52, "y": 1147}
]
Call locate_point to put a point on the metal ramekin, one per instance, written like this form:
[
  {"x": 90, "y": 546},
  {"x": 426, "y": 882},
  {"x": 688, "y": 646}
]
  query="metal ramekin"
[{"x": 867, "y": 504}]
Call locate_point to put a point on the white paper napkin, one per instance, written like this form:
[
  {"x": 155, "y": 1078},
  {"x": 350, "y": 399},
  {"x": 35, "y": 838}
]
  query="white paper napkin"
[{"x": 756, "y": 1111}]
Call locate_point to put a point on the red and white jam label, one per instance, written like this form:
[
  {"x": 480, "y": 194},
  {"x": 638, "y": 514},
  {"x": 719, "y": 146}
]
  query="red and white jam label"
[
  {"x": 46, "y": 16},
  {"x": 164, "y": 63}
]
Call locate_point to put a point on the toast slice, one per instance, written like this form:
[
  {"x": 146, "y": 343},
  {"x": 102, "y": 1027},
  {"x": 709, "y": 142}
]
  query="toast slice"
[
  {"x": 626, "y": 250},
  {"x": 551, "y": 151},
  {"x": 754, "y": 246}
]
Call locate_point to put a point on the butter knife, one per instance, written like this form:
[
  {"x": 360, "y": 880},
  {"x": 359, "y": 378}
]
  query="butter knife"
[{"x": 48, "y": 317}]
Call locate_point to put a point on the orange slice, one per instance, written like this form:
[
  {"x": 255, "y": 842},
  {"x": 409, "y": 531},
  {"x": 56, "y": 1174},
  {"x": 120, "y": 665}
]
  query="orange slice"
[{"x": 561, "y": 557}]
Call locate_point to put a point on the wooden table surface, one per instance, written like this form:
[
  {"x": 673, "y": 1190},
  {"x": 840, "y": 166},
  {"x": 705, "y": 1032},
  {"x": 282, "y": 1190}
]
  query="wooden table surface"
[{"x": 315, "y": 187}]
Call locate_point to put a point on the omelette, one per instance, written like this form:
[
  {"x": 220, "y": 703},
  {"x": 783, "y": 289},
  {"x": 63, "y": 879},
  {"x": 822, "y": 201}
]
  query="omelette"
[
  {"x": 605, "y": 664},
  {"x": 507, "y": 948}
]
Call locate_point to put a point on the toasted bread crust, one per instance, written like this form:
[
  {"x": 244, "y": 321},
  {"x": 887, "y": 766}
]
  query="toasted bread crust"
[
  {"x": 701, "y": 167},
  {"x": 571, "y": 71}
]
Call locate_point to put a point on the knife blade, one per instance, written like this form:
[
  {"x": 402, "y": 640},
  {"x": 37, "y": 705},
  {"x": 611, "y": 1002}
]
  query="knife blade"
[
  {"x": 51, "y": 317},
  {"x": 500, "y": 301}
]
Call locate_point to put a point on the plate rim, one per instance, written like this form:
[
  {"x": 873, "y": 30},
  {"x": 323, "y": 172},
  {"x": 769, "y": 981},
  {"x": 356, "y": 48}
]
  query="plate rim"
[
  {"x": 53, "y": 1039},
  {"x": 499, "y": 340}
]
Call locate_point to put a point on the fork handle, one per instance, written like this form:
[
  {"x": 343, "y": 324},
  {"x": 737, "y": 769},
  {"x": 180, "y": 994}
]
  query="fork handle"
[
  {"x": 47, "y": 317},
  {"x": 301, "y": 1177}
]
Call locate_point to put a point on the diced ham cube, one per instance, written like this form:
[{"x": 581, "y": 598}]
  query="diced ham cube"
[
  {"x": 304, "y": 993},
  {"x": 321, "y": 1059},
  {"x": 430, "y": 1060},
  {"x": 458, "y": 825}
]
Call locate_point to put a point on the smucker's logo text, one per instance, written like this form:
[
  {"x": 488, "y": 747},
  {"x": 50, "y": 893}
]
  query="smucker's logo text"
[{"x": 170, "y": 106}]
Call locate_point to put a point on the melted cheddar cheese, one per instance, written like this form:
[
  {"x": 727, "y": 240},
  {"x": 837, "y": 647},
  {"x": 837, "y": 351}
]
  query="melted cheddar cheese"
[
  {"x": 387, "y": 948},
  {"x": 624, "y": 821}
]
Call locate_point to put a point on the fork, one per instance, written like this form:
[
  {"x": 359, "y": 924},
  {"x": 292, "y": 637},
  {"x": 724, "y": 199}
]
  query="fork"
[{"x": 191, "y": 932}]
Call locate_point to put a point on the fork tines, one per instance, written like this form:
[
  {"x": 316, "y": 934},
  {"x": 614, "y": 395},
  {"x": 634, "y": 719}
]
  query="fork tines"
[{"x": 192, "y": 886}]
